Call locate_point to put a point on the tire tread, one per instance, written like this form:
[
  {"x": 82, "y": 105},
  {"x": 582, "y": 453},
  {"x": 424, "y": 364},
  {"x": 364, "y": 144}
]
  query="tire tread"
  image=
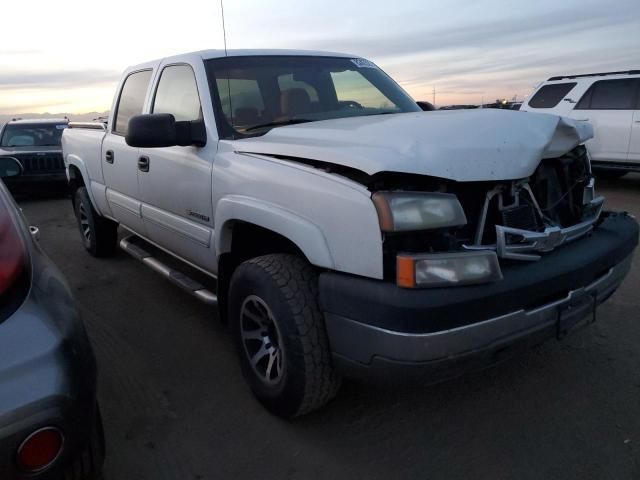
[{"x": 298, "y": 283}]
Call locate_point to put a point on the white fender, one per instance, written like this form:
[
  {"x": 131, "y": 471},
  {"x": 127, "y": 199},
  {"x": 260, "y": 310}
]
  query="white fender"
[
  {"x": 79, "y": 164},
  {"x": 306, "y": 235}
]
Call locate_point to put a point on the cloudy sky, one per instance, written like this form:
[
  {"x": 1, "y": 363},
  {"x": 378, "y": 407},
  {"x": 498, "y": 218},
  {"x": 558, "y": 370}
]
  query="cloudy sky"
[{"x": 67, "y": 56}]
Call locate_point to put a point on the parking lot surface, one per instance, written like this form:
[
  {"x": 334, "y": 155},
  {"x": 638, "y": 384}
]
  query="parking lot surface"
[{"x": 175, "y": 405}]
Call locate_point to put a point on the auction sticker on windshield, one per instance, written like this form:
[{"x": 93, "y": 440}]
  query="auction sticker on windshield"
[{"x": 363, "y": 63}]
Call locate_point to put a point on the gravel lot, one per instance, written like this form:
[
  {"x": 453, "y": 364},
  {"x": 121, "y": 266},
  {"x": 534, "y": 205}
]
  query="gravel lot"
[{"x": 175, "y": 405}]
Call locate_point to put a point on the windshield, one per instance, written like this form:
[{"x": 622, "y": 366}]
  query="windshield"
[
  {"x": 254, "y": 94},
  {"x": 32, "y": 135}
]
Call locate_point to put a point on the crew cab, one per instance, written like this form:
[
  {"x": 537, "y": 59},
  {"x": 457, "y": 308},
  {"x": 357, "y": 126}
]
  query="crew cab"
[
  {"x": 610, "y": 101},
  {"x": 349, "y": 233},
  {"x": 35, "y": 143}
]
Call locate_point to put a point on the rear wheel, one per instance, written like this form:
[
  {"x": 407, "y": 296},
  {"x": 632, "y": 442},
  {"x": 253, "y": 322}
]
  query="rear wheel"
[
  {"x": 280, "y": 335},
  {"x": 99, "y": 235}
]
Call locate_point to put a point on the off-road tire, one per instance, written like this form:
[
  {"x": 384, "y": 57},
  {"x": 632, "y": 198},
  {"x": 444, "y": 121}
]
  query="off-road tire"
[
  {"x": 288, "y": 285},
  {"x": 99, "y": 235}
]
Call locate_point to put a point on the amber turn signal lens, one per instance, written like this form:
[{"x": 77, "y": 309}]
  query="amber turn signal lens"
[{"x": 405, "y": 272}]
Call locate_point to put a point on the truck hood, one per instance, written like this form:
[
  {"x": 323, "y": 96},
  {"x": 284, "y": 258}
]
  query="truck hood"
[{"x": 460, "y": 145}]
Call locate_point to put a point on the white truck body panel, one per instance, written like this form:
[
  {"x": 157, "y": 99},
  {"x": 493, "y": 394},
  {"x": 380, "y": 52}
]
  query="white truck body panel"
[
  {"x": 472, "y": 145},
  {"x": 312, "y": 208}
]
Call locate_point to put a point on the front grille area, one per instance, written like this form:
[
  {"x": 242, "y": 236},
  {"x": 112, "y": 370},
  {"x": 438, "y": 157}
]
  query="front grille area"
[
  {"x": 521, "y": 216},
  {"x": 41, "y": 163},
  {"x": 534, "y": 215}
]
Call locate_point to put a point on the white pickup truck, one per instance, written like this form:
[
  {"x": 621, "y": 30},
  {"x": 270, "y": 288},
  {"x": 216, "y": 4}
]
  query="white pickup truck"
[{"x": 349, "y": 233}]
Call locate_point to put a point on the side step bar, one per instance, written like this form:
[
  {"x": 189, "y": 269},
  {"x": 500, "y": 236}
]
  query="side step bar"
[{"x": 180, "y": 279}]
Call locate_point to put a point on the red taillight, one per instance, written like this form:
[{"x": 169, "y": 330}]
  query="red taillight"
[
  {"x": 40, "y": 449},
  {"x": 12, "y": 252}
]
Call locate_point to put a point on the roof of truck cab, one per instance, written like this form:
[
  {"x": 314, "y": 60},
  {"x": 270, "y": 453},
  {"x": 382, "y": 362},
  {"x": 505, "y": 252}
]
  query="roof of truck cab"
[
  {"x": 209, "y": 54},
  {"x": 38, "y": 120}
]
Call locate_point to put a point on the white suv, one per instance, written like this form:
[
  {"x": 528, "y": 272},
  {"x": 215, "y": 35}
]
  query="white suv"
[{"x": 610, "y": 101}]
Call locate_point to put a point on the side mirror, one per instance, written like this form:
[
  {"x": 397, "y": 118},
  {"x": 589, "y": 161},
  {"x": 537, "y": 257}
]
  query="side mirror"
[
  {"x": 426, "y": 106},
  {"x": 157, "y": 130},
  {"x": 10, "y": 167}
]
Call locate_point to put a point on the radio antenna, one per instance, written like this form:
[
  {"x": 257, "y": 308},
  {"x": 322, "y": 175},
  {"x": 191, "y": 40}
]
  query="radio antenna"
[
  {"x": 224, "y": 30},
  {"x": 226, "y": 54}
]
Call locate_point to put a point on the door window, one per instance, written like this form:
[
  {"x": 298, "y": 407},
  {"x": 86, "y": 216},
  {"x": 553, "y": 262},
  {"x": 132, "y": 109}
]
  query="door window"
[
  {"x": 609, "y": 95},
  {"x": 131, "y": 99},
  {"x": 177, "y": 94}
]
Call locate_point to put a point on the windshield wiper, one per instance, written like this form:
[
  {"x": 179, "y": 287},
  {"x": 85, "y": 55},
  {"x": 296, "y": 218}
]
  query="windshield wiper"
[{"x": 291, "y": 121}]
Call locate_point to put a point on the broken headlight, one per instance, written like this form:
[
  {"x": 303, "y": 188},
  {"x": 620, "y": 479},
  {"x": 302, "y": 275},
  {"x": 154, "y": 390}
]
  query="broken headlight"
[{"x": 407, "y": 211}]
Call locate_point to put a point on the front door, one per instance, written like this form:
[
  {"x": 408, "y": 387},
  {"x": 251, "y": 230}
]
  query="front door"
[{"x": 176, "y": 188}]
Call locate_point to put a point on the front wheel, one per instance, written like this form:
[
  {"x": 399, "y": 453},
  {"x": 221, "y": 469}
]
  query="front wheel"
[
  {"x": 280, "y": 335},
  {"x": 99, "y": 235}
]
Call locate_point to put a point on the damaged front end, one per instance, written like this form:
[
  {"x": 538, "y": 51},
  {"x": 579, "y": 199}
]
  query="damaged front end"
[
  {"x": 517, "y": 220},
  {"x": 525, "y": 218}
]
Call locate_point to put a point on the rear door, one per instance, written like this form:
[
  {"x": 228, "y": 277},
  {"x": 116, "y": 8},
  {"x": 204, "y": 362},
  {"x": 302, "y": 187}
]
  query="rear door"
[
  {"x": 119, "y": 160},
  {"x": 634, "y": 144},
  {"x": 176, "y": 187},
  {"x": 609, "y": 106}
]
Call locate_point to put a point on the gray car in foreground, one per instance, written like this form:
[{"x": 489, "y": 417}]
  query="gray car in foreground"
[{"x": 50, "y": 425}]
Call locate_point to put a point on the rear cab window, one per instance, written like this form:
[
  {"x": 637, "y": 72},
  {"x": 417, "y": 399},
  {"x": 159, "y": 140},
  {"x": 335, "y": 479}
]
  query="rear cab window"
[
  {"x": 131, "y": 100},
  {"x": 549, "y": 96},
  {"x": 617, "y": 94}
]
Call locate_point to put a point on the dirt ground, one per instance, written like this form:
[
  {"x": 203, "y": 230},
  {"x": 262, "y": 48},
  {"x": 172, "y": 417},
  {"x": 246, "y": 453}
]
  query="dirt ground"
[{"x": 175, "y": 405}]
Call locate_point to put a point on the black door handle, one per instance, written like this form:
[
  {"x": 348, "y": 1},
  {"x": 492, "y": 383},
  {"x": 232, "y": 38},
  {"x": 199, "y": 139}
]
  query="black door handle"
[
  {"x": 143, "y": 164},
  {"x": 108, "y": 156}
]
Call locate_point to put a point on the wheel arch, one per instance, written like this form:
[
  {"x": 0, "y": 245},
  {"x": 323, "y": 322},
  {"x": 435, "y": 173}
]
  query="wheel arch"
[
  {"x": 306, "y": 236},
  {"x": 247, "y": 228},
  {"x": 77, "y": 177}
]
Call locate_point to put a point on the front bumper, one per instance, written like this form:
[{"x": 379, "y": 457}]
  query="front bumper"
[
  {"x": 29, "y": 181},
  {"x": 375, "y": 326}
]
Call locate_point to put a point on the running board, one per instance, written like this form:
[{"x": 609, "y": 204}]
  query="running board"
[{"x": 180, "y": 279}]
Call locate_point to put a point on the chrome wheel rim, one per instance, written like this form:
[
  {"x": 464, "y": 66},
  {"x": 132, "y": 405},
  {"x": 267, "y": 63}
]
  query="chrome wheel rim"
[
  {"x": 261, "y": 340},
  {"x": 85, "y": 228}
]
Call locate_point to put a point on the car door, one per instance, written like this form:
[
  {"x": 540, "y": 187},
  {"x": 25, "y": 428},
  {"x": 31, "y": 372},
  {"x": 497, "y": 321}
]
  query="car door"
[
  {"x": 119, "y": 160},
  {"x": 634, "y": 143},
  {"x": 608, "y": 105},
  {"x": 176, "y": 187}
]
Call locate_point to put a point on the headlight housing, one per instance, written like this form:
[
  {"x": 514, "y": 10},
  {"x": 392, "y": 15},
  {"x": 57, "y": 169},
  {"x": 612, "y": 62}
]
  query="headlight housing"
[
  {"x": 407, "y": 211},
  {"x": 447, "y": 269}
]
